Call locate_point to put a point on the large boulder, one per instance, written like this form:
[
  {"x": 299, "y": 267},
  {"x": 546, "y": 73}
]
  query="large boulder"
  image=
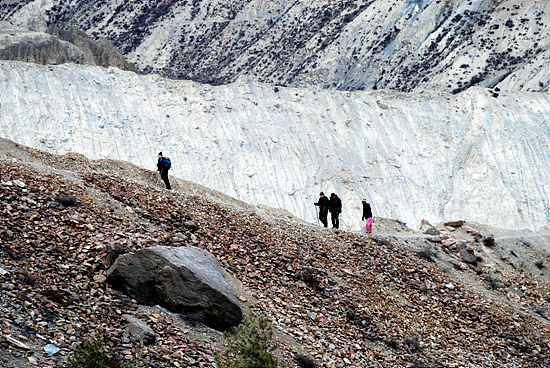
[{"x": 186, "y": 280}]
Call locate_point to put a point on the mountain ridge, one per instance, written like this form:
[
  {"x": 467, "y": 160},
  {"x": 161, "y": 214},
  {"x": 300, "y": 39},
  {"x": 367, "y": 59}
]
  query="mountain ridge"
[{"x": 410, "y": 46}]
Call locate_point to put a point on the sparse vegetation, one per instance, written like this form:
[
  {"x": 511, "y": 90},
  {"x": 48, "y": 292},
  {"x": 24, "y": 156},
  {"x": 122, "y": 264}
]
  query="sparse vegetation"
[
  {"x": 92, "y": 354},
  {"x": 89, "y": 354},
  {"x": 250, "y": 346}
]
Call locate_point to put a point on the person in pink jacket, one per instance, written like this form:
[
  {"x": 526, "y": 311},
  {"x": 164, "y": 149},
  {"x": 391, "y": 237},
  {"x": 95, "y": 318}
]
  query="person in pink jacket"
[{"x": 367, "y": 215}]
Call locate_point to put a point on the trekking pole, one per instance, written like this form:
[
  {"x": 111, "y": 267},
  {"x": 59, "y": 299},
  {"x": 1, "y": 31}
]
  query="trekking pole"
[
  {"x": 343, "y": 224},
  {"x": 160, "y": 173},
  {"x": 317, "y": 212}
]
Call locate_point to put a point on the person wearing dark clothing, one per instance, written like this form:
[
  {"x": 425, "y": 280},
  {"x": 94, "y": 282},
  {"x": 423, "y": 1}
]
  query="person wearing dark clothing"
[
  {"x": 367, "y": 215},
  {"x": 335, "y": 208},
  {"x": 323, "y": 204},
  {"x": 162, "y": 168}
]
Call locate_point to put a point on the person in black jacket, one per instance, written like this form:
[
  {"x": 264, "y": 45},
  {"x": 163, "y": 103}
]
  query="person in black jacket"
[
  {"x": 367, "y": 215},
  {"x": 323, "y": 204},
  {"x": 162, "y": 168},
  {"x": 335, "y": 208}
]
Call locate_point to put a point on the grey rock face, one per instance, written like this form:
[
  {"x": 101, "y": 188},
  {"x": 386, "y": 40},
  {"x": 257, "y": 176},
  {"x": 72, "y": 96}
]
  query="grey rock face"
[
  {"x": 99, "y": 53},
  {"x": 184, "y": 280},
  {"x": 57, "y": 46},
  {"x": 347, "y": 45}
]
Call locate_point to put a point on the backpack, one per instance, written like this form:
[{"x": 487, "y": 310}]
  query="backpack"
[{"x": 166, "y": 162}]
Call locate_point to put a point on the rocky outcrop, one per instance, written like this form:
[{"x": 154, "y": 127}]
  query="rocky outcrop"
[
  {"x": 186, "y": 280},
  {"x": 100, "y": 53},
  {"x": 348, "y": 45},
  {"x": 57, "y": 46}
]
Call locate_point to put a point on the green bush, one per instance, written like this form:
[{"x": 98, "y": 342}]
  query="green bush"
[
  {"x": 250, "y": 346},
  {"x": 89, "y": 354},
  {"x": 92, "y": 354}
]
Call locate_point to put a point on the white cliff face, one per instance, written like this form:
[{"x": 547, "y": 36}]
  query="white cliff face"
[{"x": 474, "y": 156}]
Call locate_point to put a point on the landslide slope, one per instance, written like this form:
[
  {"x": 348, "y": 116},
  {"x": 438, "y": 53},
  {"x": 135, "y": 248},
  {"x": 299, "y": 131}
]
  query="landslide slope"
[
  {"x": 405, "y": 45},
  {"x": 457, "y": 299}
]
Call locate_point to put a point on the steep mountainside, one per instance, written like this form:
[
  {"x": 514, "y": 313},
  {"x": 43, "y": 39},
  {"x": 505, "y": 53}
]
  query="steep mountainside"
[
  {"x": 457, "y": 299},
  {"x": 405, "y": 45},
  {"x": 480, "y": 155}
]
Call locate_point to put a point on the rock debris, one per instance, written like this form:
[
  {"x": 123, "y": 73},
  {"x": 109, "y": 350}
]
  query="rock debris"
[{"x": 345, "y": 299}]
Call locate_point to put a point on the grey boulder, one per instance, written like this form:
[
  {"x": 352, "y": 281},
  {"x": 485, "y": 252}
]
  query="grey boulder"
[
  {"x": 185, "y": 280},
  {"x": 140, "y": 330}
]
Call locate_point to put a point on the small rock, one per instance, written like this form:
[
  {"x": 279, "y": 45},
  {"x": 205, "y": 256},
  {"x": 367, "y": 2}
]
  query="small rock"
[
  {"x": 191, "y": 225},
  {"x": 457, "y": 223},
  {"x": 140, "y": 330},
  {"x": 51, "y": 349},
  {"x": 32, "y": 360},
  {"x": 425, "y": 225},
  {"x": 472, "y": 232},
  {"x": 432, "y": 231},
  {"x": 382, "y": 105},
  {"x": 19, "y": 183},
  {"x": 467, "y": 257},
  {"x": 99, "y": 278},
  {"x": 13, "y": 341}
]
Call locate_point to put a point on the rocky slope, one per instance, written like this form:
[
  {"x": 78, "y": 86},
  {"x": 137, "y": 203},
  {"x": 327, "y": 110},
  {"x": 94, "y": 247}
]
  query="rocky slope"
[
  {"x": 456, "y": 298},
  {"x": 481, "y": 155},
  {"x": 408, "y": 45}
]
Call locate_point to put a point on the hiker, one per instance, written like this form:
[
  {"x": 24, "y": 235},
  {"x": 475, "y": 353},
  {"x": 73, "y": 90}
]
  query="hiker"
[
  {"x": 335, "y": 208},
  {"x": 323, "y": 204},
  {"x": 163, "y": 165},
  {"x": 367, "y": 215}
]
